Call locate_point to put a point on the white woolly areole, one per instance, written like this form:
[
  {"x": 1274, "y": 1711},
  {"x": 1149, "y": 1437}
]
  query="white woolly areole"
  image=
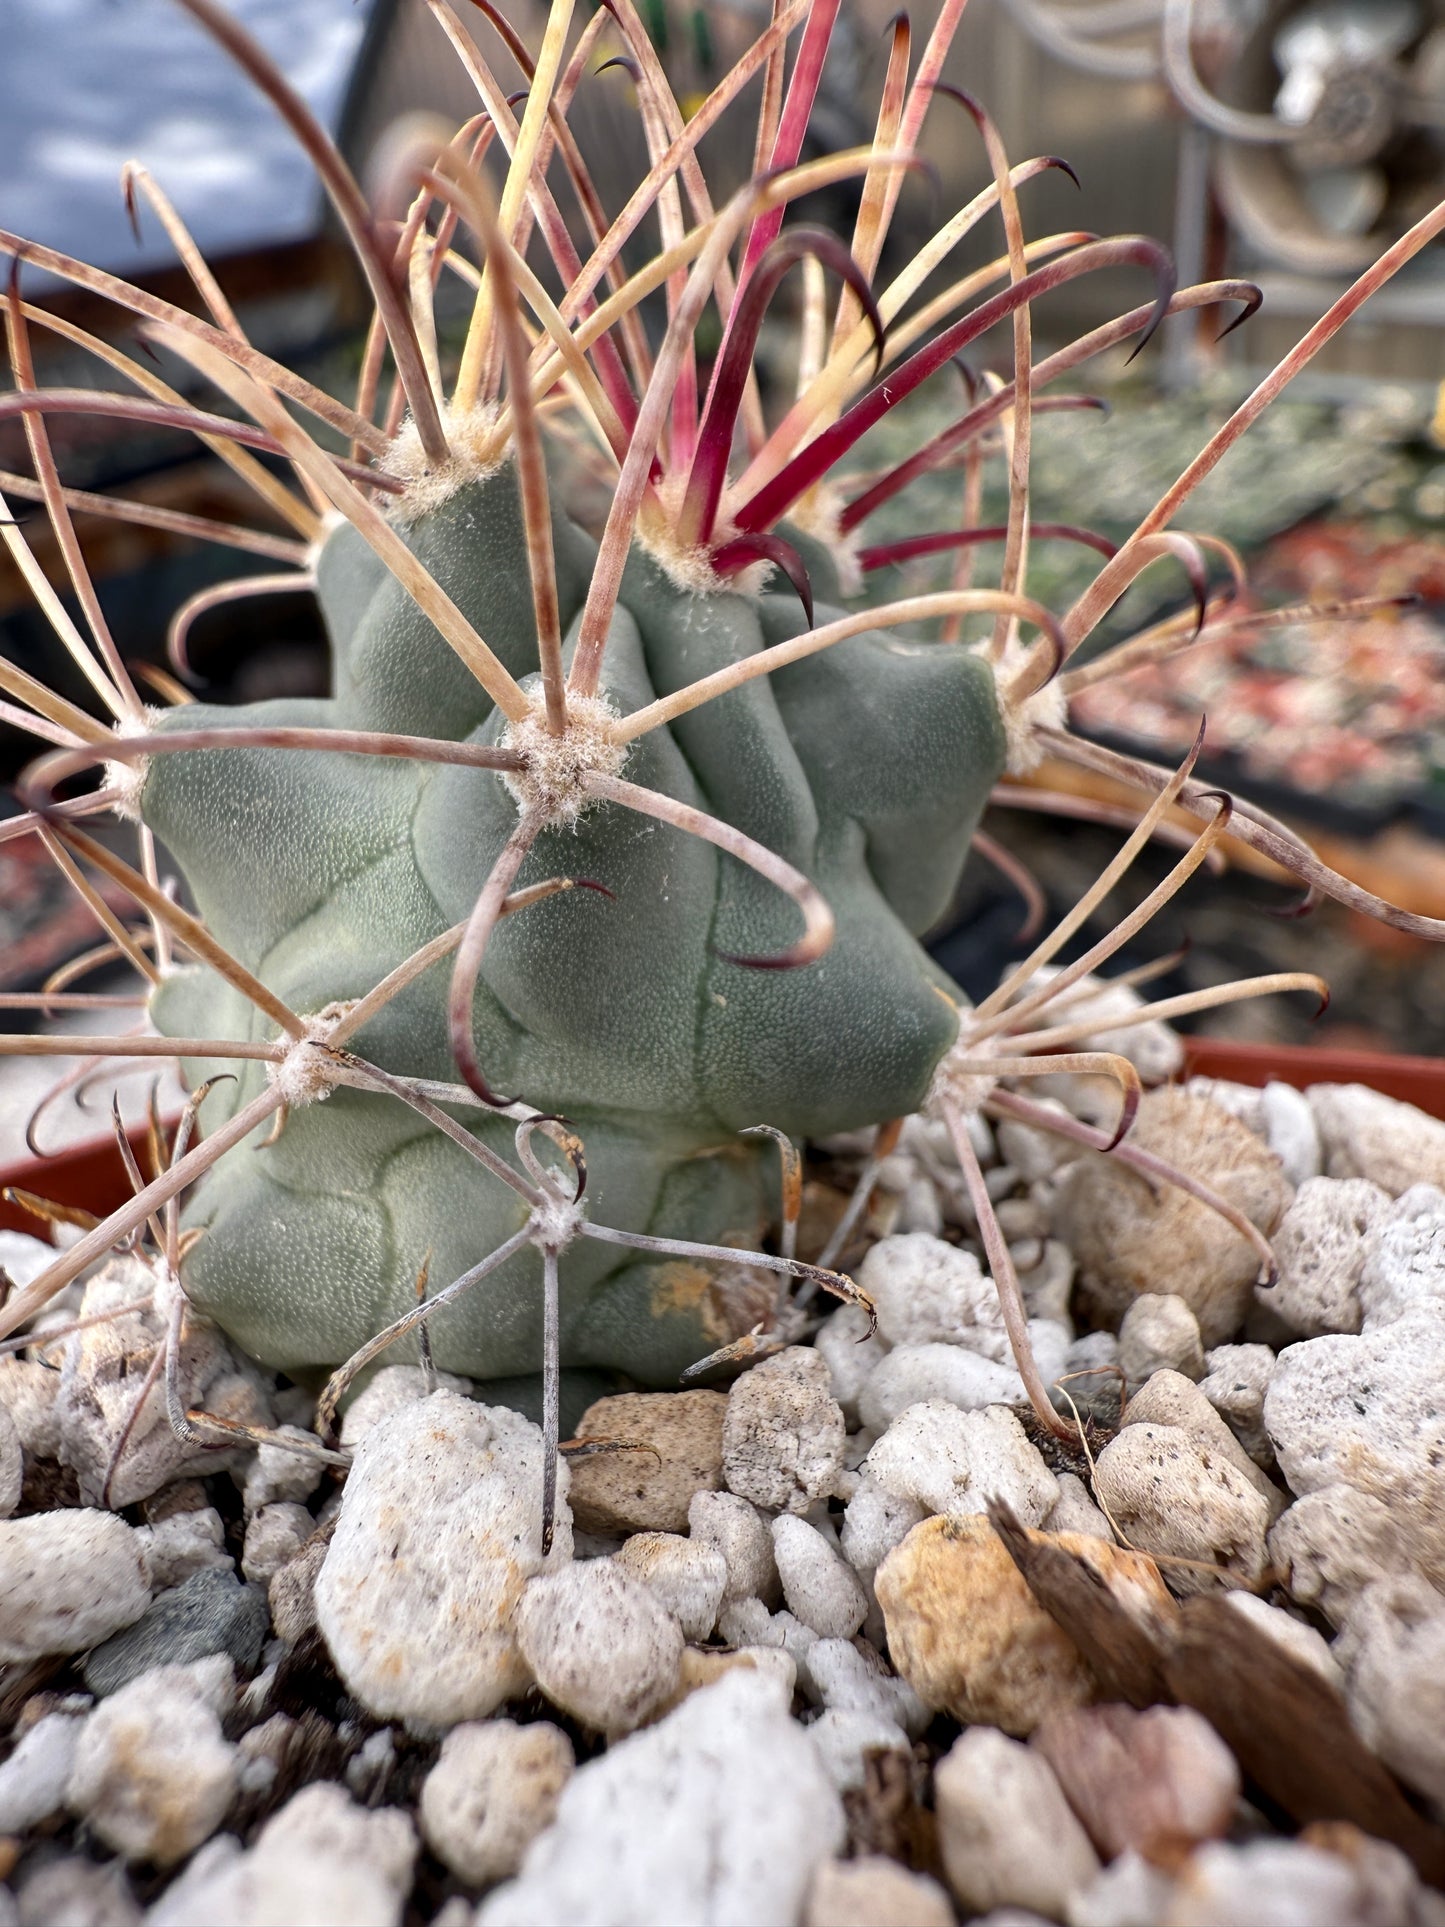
[
  {"x": 956, "y": 1079},
  {"x": 551, "y": 781},
  {"x": 127, "y": 779},
  {"x": 555, "y": 1222},
  {"x": 308, "y": 1074},
  {"x": 1046, "y": 708},
  {"x": 819, "y": 514},
  {"x": 471, "y": 459}
]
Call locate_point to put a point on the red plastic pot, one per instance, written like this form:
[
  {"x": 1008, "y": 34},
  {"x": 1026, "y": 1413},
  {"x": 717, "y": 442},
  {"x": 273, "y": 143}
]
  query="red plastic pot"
[{"x": 1415, "y": 1080}]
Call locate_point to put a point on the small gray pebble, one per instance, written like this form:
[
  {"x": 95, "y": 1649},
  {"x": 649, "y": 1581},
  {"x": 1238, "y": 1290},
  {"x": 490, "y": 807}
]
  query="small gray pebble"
[{"x": 212, "y": 1612}]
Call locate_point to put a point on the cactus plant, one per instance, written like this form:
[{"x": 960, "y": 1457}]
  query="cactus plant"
[{"x": 605, "y": 773}]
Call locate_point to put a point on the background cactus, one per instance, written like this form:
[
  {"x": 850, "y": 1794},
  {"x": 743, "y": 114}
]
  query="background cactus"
[{"x": 522, "y": 707}]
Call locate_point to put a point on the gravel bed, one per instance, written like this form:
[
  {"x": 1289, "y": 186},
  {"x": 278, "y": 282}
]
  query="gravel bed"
[{"x": 847, "y": 1640}]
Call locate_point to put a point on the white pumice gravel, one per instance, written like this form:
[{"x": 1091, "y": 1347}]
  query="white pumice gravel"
[
  {"x": 1393, "y": 1653},
  {"x": 844, "y": 1737},
  {"x": 320, "y": 1860},
  {"x": 1170, "y": 1398},
  {"x": 495, "y": 1786},
  {"x": 688, "y": 1577},
  {"x": 1320, "y": 1249},
  {"x": 12, "y": 1465},
  {"x": 783, "y": 1433},
  {"x": 850, "y": 1352},
  {"x": 98, "y": 1383},
  {"x": 1297, "y": 1638},
  {"x": 439, "y": 1531},
  {"x": 600, "y": 1644},
  {"x": 35, "y": 1780},
  {"x": 1235, "y": 1382},
  {"x": 874, "y": 1892},
  {"x": 720, "y": 1813},
  {"x": 925, "y": 1291},
  {"x": 1334, "y": 1543},
  {"x": 1075, "y": 1511},
  {"x": 153, "y": 1776},
  {"x": 821, "y": 1589},
  {"x": 183, "y": 1543},
  {"x": 732, "y": 1684},
  {"x": 274, "y": 1536},
  {"x": 947, "y": 1460},
  {"x": 1007, "y": 1835},
  {"x": 741, "y": 1535},
  {"x": 849, "y": 1676},
  {"x": 1159, "y": 1333},
  {"x": 1366, "y": 1411},
  {"x": 68, "y": 1580},
  {"x": 1170, "y": 1495},
  {"x": 1404, "y": 1263},
  {"x": 276, "y": 1476},
  {"x": 1367, "y": 1135},
  {"x": 914, "y": 1373}
]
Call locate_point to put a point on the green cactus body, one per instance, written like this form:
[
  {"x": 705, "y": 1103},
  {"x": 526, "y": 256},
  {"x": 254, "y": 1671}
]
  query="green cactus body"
[{"x": 867, "y": 766}]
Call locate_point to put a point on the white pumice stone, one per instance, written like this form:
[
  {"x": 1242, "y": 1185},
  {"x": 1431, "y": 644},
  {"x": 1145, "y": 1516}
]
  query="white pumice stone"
[
  {"x": 440, "y": 1528},
  {"x": 719, "y": 1813},
  {"x": 925, "y": 1291},
  {"x": 102, "y": 1371},
  {"x": 493, "y": 1789},
  {"x": 1367, "y": 1412},
  {"x": 321, "y": 1859},
  {"x": 184, "y": 1543},
  {"x": 1282, "y": 1882},
  {"x": 1047, "y": 1284},
  {"x": 1128, "y": 1892},
  {"x": 741, "y": 1535},
  {"x": 821, "y": 1588},
  {"x": 1171, "y": 1495},
  {"x": 843, "y": 1341},
  {"x": 1033, "y": 1153},
  {"x": 1005, "y": 1830},
  {"x": 876, "y": 1520},
  {"x": 1367, "y": 1135},
  {"x": 1160, "y": 1333},
  {"x": 152, "y": 1775},
  {"x": 783, "y": 1432},
  {"x": 848, "y": 1679},
  {"x": 1334, "y": 1543},
  {"x": 274, "y": 1536},
  {"x": 68, "y": 1580},
  {"x": 1171, "y": 1399},
  {"x": 1235, "y": 1382},
  {"x": 844, "y": 1736},
  {"x": 748, "y": 1622},
  {"x": 600, "y": 1644},
  {"x": 915, "y": 1373},
  {"x": 278, "y": 1477},
  {"x": 1094, "y": 1351},
  {"x": 29, "y": 1392},
  {"x": 688, "y": 1577},
  {"x": 35, "y": 1779},
  {"x": 919, "y": 1208},
  {"x": 1393, "y": 1653},
  {"x": 1290, "y": 1131},
  {"x": 393, "y": 1387},
  {"x": 76, "y": 1890},
  {"x": 1300, "y": 1641},
  {"x": 874, "y": 1891},
  {"x": 12, "y": 1465},
  {"x": 1320, "y": 1249},
  {"x": 1075, "y": 1511},
  {"x": 947, "y": 1460},
  {"x": 1404, "y": 1265}
]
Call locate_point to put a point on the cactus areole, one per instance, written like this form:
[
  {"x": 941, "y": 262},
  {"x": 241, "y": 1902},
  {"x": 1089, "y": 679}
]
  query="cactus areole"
[{"x": 866, "y": 766}]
